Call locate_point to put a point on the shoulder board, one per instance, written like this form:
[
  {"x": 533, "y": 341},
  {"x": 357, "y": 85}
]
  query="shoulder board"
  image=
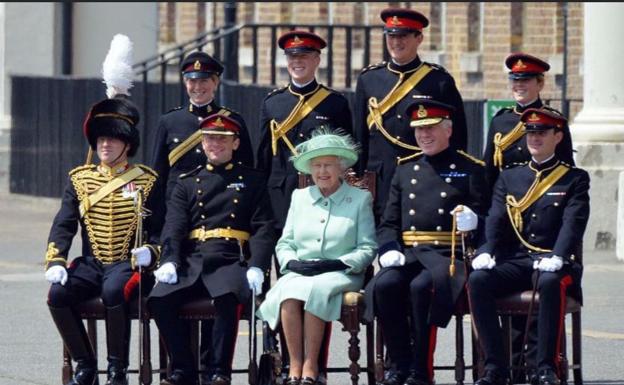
[
  {"x": 436, "y": 66},
  {"x": 409, "y": 157},
  {"x": 471, "y": 158},
  {"x": 549, "y": 108},
  {"x": 192, "y": 172},
  {"x": 374, "y": 66},
  {"x": 175, "y": 109},
  {"x": 223, "y": 109},
  {"x": 279, "y": 89},
  {"x": 566, "y": 164},
  {"x": 516, "y": 164},
  {"x": 147, "y": 169},
  {"x": 81, "y": 168},
  {"x": 503, "y": 111}
]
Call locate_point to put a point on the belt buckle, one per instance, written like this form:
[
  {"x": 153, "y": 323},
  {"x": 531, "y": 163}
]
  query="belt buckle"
[{"x": 202, "y": 234}]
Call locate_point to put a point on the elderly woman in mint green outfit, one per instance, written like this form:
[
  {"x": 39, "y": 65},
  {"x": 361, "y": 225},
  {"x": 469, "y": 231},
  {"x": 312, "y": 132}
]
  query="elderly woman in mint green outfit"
[{"x": 327, "y": 243}]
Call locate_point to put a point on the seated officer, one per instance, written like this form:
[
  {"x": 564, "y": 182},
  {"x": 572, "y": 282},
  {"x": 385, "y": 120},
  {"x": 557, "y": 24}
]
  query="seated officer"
[
  {"x": 538, "y": 215},
  {"x": 419, "y": 248},
  {"x": 216, "y": 214},
  {"x": 103, "y": 199}
]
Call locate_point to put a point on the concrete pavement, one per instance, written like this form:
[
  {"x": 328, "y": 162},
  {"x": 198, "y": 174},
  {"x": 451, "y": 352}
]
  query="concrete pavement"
[{"x": 30, "y": 348}]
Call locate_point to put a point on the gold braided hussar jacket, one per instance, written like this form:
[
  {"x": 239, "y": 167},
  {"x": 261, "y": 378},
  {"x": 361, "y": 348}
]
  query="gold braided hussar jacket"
[{"x": 104, "y": 201}]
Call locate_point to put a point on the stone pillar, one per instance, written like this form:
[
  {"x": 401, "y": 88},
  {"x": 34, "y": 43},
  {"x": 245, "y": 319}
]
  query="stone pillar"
[{"x": 598, "y": 129}]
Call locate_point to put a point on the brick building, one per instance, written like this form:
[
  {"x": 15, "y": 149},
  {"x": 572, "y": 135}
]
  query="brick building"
[{"x": 470, "y": 39}]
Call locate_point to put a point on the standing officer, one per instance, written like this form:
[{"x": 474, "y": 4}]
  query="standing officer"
[
  {"x": 177, "y": 148},
  {"x": 506, "y": 147},
  {"x": 419, "y": 248},
  {"x": 506, "y": 143},
  {"x": 538, "y": 216},
  {"x": 105, "y": 200},
  {"x": 386, "y": 89},
  {"x": 216, "y": 214},
  {"x": 291, "y": 113}
]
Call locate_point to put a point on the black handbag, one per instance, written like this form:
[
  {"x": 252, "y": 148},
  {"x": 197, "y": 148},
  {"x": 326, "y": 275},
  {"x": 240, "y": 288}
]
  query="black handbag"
[{"x": 270, "y": 365}]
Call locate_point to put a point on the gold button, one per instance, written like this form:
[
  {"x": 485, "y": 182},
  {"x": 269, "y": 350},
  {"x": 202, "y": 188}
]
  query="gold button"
[
  {"x": 398, "y": 137},
  {"x": 240, "y": 177},
  {"x": 398, "y": 117},
  {"x": 203, "y": 216},
  {"x": 452, "y": 166},
  {"x": 519, "y": 148},
  {"x": 532, "y": 235},
  {"x": 197, "y": 150},
  {"x": 533, "y": 215},
  {"x": 300, "y": 135},
  {"x": 439, "y": 228},
  {"x": 436, "y": 242},
  {"x": 412, "y": 212},
  {"x": 413, "y": 181},
  {"x": 199, "y": 192},
  {"x": 238, "y": 189},
  {"x": 440, "y": 211},
  {"x": 413, "y": 228},
  {"x": 235, "y": 200},
  {"x": 201, "y": 204},
  {"x": 443, "y": 194},
  {"x": 197, "y": 180},
  {"x": 233, "y": 215},
  {"x": 176, "y": 140},
  {"x": 414, "y": 244},
  {"x": 556, "y": 204},
  {"x": 447, "y": 180},
  {"x": 416, "y": 167},
  {"x": 229, "y": 227},
  {"x": 412, "y": 196}
]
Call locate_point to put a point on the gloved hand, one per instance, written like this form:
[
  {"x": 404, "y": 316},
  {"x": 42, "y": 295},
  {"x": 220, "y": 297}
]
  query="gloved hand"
[
  {"x": 467, "y": 220},
  {"x": 166, "y": 273},
  {"x": 392, "y": 258},
  {"x": 56, "y": 274},
  {"x": 142, "y": 255},
  {"x": 255, "y": 278},
  {"x": 551, "y": 264},
  {"x": 483, "y": 261}
]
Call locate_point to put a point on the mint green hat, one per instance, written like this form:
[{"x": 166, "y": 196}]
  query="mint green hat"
[{"x": 325, "y": 142}]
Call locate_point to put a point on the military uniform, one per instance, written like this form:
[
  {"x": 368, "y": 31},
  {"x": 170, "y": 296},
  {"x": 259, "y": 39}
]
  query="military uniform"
[
  {"x": 538, "y": 211},
  {"x": 333, "y": 111},
  {"x": 382, "y": 148},
  {"x": 215, "y": 213},
  {"x": 102, "y": 200}
]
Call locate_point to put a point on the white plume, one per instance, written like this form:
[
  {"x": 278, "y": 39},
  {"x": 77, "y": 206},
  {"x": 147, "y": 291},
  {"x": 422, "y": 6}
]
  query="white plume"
[{"x": 117, "y": 67}]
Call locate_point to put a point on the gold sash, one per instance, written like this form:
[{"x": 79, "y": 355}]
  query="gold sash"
[
  {"x": 515, "y": 208},
  {"x": 376, "y": 109},
  {"x": 190, "y": 142},
  {"x": 502, "y": 142},
  {"x": 108, "y": 188},
  {"x": 300, "y": 111}
]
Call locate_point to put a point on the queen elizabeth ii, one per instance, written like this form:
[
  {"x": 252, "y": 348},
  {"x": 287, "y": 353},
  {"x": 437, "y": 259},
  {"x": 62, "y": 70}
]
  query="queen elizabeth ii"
[{"x": 327, "y": 243}]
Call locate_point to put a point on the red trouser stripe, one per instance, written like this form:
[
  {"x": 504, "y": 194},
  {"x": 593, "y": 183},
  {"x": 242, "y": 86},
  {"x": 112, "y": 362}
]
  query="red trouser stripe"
[
  {"x": 132, "y": 284},
  {"x": 563, "y": 287},
  {"x": 433, "y": 335}
]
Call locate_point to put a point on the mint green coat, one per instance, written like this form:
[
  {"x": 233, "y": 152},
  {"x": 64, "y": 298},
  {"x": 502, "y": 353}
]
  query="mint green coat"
[{"x": 340, "y": 226}]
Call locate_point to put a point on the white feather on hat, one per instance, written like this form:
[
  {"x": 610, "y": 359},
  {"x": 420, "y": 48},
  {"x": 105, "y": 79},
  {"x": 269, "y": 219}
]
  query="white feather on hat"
[{"x": 117, "y": 67}]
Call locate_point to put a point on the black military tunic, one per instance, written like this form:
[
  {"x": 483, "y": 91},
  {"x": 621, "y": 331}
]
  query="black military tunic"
[
  {"x": 553, "y": 225},
  {"x": 517, "y": 152},
  {"x": 378, "y": 153},
  {"x": 417, "y": 221},
  {"x": 174, "y": 128},
  {"x": 333, "y": 112}
]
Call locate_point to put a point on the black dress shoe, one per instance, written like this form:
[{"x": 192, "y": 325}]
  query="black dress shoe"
[
  {"x": 533, "y": 378},
  {"x": 548, "y": 377},
  {"x": 492, "y": 378},
  {"x": 177, "y": 378},
  {"x": 396, "y": 378},
  {"x": 85, "y": 374},
  {"x": 220, "y": 379},
  {"x": 117, "y": 374},
  {"x": 414, "y": 380}
]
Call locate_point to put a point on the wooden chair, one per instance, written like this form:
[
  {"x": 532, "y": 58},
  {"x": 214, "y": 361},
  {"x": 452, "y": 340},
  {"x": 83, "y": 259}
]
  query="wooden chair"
[
  {"x": 351, "y": 314},
  {"x": 93, "y": 310}
]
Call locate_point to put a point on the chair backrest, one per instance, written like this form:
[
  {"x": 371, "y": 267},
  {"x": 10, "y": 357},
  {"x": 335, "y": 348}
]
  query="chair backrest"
[{"x": 366, "y": 182}]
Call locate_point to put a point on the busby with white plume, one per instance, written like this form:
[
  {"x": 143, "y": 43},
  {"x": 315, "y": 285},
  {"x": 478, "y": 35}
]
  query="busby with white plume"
[{"x": 117, "y": 67}]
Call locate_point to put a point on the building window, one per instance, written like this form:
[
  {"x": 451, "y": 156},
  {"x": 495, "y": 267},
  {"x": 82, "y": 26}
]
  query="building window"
[
  {"x": 436, "y": 26},
  {"x": 474, "y": 26},
  {"x": 517, "y": 26}
]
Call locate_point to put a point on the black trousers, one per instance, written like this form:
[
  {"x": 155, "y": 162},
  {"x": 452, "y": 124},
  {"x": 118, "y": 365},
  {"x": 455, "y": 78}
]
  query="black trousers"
[
  {"x": 177, "y": 334},
  {"x": 485, "y": 286},
  {"x": 404, "y": 293}
]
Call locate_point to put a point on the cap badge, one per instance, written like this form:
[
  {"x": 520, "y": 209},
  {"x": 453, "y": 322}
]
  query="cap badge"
[
  {"x": 219, "y": 123},
  {"x": 422, "y": 112},
  {"x": 520, "y": 64},
  {"x": 297, "y": 41},
  {"x": 395, "y": 21},
  {"x": 197, "y": 65},
  {"x": 533, "y": 117}
]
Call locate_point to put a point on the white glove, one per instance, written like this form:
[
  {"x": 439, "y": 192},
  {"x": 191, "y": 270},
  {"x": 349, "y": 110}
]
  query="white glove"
[
  {"x": 255, "y": 278},
  {"x": 467, "y": 220},
  {"x": 166, "y": 273},
  {"x": 484, "y": 261},
  {"x": 392, "y": 258},
  {"x": 56, "y": 274},
  {"x": 142, "y": 255},
  {"x": 551, "y": 264}
]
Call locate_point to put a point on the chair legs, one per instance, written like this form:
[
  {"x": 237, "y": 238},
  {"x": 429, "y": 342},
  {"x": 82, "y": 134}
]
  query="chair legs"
[
  {"x": 460, "y": 364},
  {"x": 576, "y": 348}
]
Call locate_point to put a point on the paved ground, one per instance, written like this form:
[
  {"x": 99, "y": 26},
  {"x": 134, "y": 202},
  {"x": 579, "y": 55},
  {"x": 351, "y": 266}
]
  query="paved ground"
[{"x": 30, "y": 349}]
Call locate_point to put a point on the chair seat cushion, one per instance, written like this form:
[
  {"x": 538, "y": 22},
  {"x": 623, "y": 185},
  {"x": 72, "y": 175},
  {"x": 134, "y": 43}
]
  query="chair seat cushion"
[
  {"x": 202, "y": 308},
  {"x": 518, "y": 303}
]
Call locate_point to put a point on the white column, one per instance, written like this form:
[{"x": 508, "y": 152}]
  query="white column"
[{"x": 598, "y": 129}]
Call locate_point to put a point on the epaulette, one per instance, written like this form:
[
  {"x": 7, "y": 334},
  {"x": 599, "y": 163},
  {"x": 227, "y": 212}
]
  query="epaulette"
[
  {"x": 192, "y": 172},
  {"x": 472, "y": 158},
  {"x": 568, "y": 165},
  {"x": 436, "y": 66},
  {"x": 516, "y": 164},
  {"x": 148, "y": 169},
  {"x": 374, "y": 66},
  {"x": 503, "y": 110},
  {"x": 175, "y": 109},
  {"x": 81, "y": 168},
  {"x": 231, "y": 111},
  {"x": 279, "y": 89},
  {"x": 409, "y": 157}
]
